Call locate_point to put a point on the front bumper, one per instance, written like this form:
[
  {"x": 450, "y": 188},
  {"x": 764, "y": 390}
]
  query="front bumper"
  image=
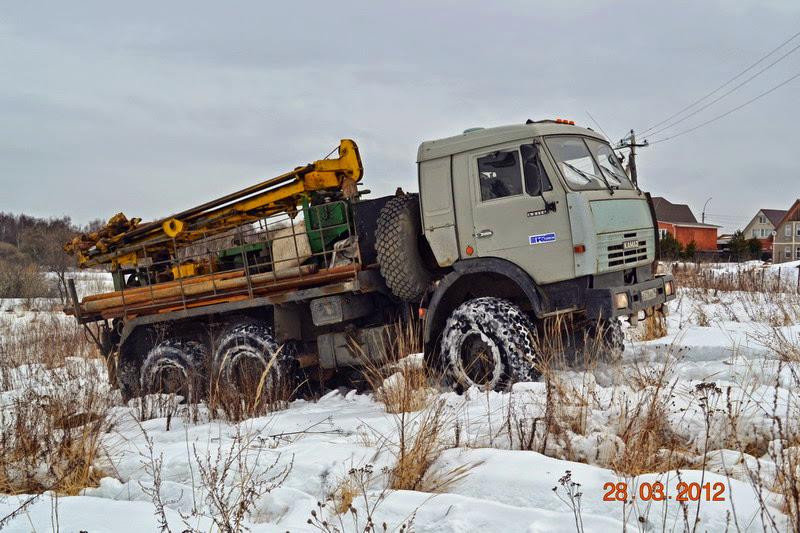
[{"x": 602, "y": 303}]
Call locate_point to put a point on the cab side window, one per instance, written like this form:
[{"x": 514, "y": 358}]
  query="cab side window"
[
  {"x": 536, "y": 180},
  {"x": 500, "y": 175}
]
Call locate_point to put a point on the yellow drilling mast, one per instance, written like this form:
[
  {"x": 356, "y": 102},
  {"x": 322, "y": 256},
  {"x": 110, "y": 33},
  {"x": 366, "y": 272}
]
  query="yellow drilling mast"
[{"x": 124, "y": 242}]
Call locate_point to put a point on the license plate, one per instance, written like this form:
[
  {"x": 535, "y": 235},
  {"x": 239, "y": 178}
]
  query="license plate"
[
  {"x": 649, "y": 294},
  {"x": 629, "y": 245}
]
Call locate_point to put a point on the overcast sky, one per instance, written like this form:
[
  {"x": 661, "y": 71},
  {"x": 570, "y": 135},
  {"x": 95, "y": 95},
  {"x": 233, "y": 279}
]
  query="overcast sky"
[{"x": 152, "y": 107}]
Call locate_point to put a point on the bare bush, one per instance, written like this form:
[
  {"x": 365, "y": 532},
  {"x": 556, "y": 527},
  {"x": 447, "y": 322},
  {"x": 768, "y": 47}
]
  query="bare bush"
[
  {"x": 233, "y": 480},
  {"x": 24, "y": 281},
  {"x": 338, "y": 514}
]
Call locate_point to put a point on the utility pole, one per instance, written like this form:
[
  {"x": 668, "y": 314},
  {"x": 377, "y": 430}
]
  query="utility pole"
[
  {"x": 704, "y": 210},
  {"x": 630, "y": 142}
]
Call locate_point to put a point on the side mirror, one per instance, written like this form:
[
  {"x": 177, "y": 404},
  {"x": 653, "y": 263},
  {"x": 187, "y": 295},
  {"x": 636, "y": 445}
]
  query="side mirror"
[{"x": 532, "y": 169}]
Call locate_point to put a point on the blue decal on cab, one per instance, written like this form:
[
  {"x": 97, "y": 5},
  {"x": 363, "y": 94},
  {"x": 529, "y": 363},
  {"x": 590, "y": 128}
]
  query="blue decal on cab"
[{"x": 544, "y": 237}]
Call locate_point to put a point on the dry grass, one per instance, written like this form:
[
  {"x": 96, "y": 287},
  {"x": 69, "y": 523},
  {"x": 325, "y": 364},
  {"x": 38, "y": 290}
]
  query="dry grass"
[
  {"x": 408, "y": 389},
  {"x": 554, "y": 417},
  {"x": 421, "y": 439},
  {"x": 348, "y": 490},
  {"x": 56, "y": 413},
  {"x": 42, "y": 339},
  {"x": 257, "y": 397},
  {"x": 780, "y": 445},
  {"x": 650, "y": 445},
  {"x": 402, "y": 382},
  {"x": 743, "y": 278},
  {"x": 745, "y": 293},
  {"x": 339, "y": 514},
  {"x": 236, "y": 406},
  {"x": 652, "y": 327},
  {"x": 564, "y": 408}
]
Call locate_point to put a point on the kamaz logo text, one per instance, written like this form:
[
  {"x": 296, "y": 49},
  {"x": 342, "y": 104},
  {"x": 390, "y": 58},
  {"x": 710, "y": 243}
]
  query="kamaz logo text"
[{"x": 539, "y": 239}]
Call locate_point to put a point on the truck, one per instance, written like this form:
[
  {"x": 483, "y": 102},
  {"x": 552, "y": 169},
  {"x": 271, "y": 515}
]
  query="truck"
[{"x": 512, "y": 226}]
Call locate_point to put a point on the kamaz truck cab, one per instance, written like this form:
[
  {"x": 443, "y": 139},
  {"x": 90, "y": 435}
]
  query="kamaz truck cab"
[{"x": 532, "y": 220}]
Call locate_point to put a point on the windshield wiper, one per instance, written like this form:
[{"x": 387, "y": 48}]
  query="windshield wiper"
[
  {"x": 587, "y": 174},
  {"x": 581, "y": 173},
  {"x": 608, "y": 185},
  {"x": 613, "y": 175}
]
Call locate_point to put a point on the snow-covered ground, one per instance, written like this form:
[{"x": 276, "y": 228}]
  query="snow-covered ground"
[{"x": 716, "y": 383}]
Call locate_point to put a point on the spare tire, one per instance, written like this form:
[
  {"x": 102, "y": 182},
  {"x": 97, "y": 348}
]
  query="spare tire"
[{"x": 403, "y": 255}]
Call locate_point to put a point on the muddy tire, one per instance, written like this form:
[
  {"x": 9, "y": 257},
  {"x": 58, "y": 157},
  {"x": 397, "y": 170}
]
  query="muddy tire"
[
  {"x": 249, "y": 362},
  {"x": 601, "y": 340},
  {"x": 175, "y": 366},
  {"x": 489, "y": 343},
  {"x": 403, "y": 260}
]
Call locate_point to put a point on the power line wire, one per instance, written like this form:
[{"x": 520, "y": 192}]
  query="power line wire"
[
  {"x": 722, "y": 86},
  {"x": 696, "y": 111},
  {"x": 765, "y": 93},
  {"x": 726, "y": 220},
  {"x": 598, "y": 125}
]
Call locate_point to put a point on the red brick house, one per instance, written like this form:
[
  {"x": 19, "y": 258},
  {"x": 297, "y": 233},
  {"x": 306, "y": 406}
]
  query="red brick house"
[{"x": 679, "y": 220}]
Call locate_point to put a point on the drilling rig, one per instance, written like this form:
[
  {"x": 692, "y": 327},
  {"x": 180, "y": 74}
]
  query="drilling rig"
[{"x": 302, "y": 278}]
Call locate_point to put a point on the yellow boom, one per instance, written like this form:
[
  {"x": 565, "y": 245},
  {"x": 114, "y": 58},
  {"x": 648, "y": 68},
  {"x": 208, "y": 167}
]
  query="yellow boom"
[{"x": 124, "y": 241}]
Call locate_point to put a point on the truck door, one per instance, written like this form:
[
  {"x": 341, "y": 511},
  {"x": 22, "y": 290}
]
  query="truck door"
[{"x": 516, "y": 219}]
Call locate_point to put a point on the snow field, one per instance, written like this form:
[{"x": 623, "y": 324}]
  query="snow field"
[{"x": 699, "y": 405}]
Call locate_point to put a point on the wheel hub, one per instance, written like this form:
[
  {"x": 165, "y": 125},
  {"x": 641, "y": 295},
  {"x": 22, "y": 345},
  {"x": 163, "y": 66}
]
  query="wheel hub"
[
  {"x": 246, "y": 373},
  {"x": 478, "y": 359},
  {"x": 170, "y": 379}
]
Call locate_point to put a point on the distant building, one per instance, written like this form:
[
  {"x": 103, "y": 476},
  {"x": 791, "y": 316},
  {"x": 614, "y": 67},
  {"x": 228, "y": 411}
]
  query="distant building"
[
  {"x": 762, "y": 226},
  {"x": 786, "y": 245},
  {"x": 679, "y": 220},
  {"x": 724, "y": 241}
]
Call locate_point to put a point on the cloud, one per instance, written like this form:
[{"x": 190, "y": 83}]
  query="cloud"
[{"x": 153, "y": 107}]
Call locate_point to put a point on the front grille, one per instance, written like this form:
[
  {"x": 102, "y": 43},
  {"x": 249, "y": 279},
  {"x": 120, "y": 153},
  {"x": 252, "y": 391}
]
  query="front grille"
[{"x": 625, "y": 249}]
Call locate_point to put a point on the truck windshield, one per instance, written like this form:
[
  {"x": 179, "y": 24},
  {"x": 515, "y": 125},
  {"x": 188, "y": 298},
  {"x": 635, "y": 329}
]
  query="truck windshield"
[
  {"x": 609, "y": 164},
  {"x": 587, "y": 164}
]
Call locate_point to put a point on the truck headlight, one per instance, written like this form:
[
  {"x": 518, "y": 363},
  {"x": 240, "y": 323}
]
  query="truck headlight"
[
  {"x": 622, "y": 300},
  {"x": 669, "y": 288}
]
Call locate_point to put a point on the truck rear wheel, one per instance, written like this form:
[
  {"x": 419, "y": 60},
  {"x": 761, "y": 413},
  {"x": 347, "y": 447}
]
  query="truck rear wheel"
[
  {"x": 249, "y": 361},
  {"x": 174, "y": 366},
  {"x": 489, "y": 343},
  {"x": 404, "y": 261}
]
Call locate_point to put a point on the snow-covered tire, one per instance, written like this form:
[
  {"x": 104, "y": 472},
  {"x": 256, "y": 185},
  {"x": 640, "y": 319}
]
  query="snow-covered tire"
[
  {"x": 175, "y": 366},
  {"x": 248, "y": 358},
  {"x": 601, "y": 340},
  {"x": 489, "y": 343},
  {"x": 397, "y": 242}
]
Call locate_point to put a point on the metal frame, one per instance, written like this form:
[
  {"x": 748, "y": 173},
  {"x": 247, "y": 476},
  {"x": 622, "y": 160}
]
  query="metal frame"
[{"x": 258, "y": 273}]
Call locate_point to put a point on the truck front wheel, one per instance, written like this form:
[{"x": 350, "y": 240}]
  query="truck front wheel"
[
  {"x": 174, "y": 366},
  {"x": 600, "y": 340},
  {"x": 489, "y": 343}
]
